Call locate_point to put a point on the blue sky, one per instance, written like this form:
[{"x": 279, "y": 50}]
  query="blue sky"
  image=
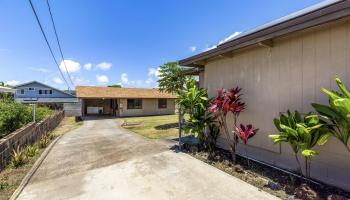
[{"x": 121, "y": 41}]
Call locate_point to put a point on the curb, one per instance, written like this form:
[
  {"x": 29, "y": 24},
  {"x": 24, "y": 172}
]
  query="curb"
[{"x": 32, "y": 171}]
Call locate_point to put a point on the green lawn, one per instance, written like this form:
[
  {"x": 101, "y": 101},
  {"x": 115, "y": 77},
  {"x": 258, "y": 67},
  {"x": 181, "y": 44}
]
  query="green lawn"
[{"x": 153, "y": 127}]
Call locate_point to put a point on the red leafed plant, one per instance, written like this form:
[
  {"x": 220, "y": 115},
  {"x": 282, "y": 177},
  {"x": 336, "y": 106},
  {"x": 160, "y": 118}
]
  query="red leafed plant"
[
  {"x": 245, "y": 132},
  {"x": 228, "y": 101}
]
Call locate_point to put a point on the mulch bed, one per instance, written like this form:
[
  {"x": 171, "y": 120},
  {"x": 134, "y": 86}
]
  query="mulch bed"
[{"x": 278, "y": 183}]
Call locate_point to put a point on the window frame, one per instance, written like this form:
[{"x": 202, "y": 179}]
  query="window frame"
[
  {"x": 134, "y": 106},
  {"x": 21, "y": 91},
  {"x": 165, "y": 106}
]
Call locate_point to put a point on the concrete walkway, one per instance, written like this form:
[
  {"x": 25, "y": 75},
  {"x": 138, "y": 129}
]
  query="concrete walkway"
[{"x": 100, "y": 160}]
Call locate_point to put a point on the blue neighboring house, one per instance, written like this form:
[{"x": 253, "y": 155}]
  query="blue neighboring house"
[{"x": 36, "y": 92}]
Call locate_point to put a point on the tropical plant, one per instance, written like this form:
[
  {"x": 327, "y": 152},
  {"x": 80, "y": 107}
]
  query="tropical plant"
[
  {"x": 44, "y": 141},
  {"x": 228, "y": 101},
  {"x": 337, "y": 113},
  {"x": 18, "y": 157},
  {"x": 245, "y": 132},
  {"x": 210, "y": 137},
  {"x": 302, "y": 134},
  {"x": 194, "y": 101},
  {"x": 32, "y": 150}
]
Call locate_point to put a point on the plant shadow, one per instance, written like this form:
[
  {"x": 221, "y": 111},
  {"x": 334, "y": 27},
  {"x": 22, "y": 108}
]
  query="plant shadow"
[{"x": 167, "y": 126}]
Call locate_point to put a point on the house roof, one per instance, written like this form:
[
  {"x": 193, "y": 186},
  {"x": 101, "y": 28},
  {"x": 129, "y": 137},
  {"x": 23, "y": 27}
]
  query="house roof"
[
  {"x": 6, "y": 89},
  {"x": 321, "y": 13},
  {"x": 31, "y": 82},
  {"x": 111, "y": 92}
]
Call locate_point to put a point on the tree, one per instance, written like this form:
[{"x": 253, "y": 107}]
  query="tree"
[
  {"x": 115, "y": 86},
  {"x": 170, "y": 79}
]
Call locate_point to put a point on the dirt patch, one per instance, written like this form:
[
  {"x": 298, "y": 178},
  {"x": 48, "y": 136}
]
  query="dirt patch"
[{"x": 278, "y": 183}]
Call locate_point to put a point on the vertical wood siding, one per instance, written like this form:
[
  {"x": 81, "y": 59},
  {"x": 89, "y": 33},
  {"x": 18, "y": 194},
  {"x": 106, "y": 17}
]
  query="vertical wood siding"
[{"x": 288, "y": 76}]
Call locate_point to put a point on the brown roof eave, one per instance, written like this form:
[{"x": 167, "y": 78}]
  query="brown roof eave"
[{"x": 323, "y": 15}]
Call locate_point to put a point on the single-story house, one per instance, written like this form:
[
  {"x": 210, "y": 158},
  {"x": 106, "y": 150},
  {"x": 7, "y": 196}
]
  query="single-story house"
[
  {"x": 122, "y": 102},
  {"x": 4, "y": 89},
  {"x": 282, "y": 65}
]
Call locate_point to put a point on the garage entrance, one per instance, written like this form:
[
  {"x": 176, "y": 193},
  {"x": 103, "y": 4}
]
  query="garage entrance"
[{"x": 100, "y": 107}]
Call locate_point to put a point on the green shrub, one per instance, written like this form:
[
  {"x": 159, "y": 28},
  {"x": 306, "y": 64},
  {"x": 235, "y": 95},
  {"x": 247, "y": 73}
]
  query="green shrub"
[
  {"x": 12, "y": 116},
  {"x": 302, "y": 134},
  {"x": 41, "y": 112},
  {"x": 32, "y": 150},
  {"x": 19, "y": 158}
]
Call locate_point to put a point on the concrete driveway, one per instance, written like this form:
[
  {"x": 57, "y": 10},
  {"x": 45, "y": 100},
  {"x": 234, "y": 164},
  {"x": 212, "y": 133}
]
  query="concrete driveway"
[{"x": 100, "y": 160}]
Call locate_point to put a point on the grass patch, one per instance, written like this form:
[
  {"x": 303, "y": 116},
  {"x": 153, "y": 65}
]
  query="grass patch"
[
  {"x": 153, "y": 127},
  {"x": 11, "y": 177}
]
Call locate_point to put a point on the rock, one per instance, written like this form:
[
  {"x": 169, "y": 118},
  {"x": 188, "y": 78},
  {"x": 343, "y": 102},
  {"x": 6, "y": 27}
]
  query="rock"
[
  {"x": 273, "y": 186},
  {"x": 337, "y": 197},
  {"x": 306, "y": 192},
  {"x": 239, "y": 169}
]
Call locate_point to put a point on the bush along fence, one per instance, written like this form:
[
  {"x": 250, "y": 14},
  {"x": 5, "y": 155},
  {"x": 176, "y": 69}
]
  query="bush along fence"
[{"x": 27, "y": 135}]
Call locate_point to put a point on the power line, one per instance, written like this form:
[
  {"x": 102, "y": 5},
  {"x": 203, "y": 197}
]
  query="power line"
[
  {"x": 47, "y": 42},
  {"x": 58, "y": 42}
]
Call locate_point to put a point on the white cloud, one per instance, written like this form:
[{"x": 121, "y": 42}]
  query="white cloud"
[
  {"x": 230, "y": 37},
  {"x": 104, "y": 65},
  {"x": 149, "y": 81},
  {"x": 153, "y": 72},
  {"x": 12, "y": 82},
  {"x": 88, "y": 66},
  {"x": 102, "y": 78},
  {"x": 72, "y": 66},
  {"x": 192, "y": 48},
  {"x": 57, "y": 80},
  {"x": 124, "y": 78}
]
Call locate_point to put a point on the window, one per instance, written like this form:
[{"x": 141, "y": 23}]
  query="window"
[
  {"x": 134, "y": 104},
  {"x": 45, "y": 91},
  {"x": 20, "y": 91},
  {"x": 31, "y": 89},
  {"x": 162, "y": 103}
]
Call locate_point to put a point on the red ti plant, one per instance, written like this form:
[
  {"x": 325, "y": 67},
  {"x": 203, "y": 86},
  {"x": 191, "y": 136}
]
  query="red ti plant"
[
  {"x": 245, "y": 132},
  {"x": 228, "y": 101}
]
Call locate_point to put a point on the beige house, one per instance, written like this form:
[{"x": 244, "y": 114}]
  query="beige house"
[
  {"x": 122, "y": 102},
  {"x": 280, "y": 66}
]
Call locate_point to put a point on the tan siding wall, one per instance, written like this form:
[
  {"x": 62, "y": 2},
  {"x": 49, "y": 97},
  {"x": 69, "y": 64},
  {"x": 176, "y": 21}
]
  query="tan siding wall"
[
  {"x": 289, "y": 76},
  {"x": 149, "y": 107}
]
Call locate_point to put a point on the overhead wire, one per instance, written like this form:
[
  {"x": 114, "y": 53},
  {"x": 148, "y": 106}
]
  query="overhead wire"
[
  {"x": 47, "y": 42},
  {"x": 58, "y": 42}
]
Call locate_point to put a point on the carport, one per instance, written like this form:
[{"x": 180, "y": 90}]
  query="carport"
[{"x": 100, "y": 106}]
